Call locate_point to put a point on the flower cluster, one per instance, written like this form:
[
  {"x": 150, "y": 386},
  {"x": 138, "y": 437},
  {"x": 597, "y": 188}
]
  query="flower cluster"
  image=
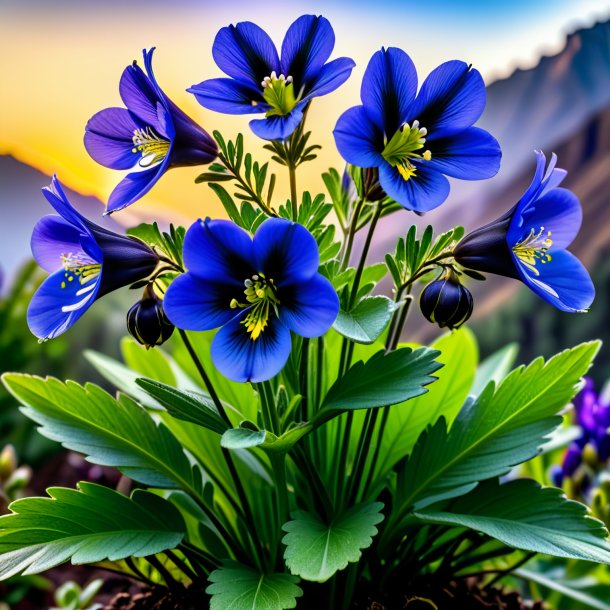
[{"x": 259, "y": 289}]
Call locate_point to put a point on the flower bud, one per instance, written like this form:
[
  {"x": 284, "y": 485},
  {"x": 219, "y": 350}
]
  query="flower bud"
[
  {"x": 147, "y": 322},
  {"x": 446, "y": 302}
]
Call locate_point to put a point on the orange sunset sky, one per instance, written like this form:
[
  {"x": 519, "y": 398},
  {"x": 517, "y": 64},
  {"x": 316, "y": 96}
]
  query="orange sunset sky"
[{"x": 60, "y": 62}]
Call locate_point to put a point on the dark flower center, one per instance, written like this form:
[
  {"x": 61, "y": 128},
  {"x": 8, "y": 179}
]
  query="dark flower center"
[
  {"x": 150, "y": 145},
  {"x": 404, "y": 146},
  {"x": 261, "y": 297},
  {"x": 534, "y": 248}
]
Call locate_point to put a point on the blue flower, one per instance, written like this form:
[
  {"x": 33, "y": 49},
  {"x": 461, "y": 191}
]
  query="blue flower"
[
  {"x": 529, "y": 242},
  {"x": 256, "y": 290},
  {"x": 85, "y": 261},
  {"x": 415, "y": 140},
  {"x": 262, "y": 83},
  {"x": 148, "y": 137}
]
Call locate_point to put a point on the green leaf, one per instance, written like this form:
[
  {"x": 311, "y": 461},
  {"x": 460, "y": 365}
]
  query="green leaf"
[
  {"x": 493, "y": 433},
  {"x": 238, "y": 587},
  {"x": 316, "y": 550},
  {"x": 565, "y": 588},
  {"x": 109, "y": 432},
  {"x": 458, "y": 355},
  {"x": 495, "y": 367},
  {"x": 365, "y": 322},
  {"x": 150, "y": 363},
  {"x": 385, "y": 379},
  {"x": 526, "y": 516},
  {"x": 87, "y": 525},
  {"x": 242, "y": 438},
  {"x": 187, "y": 406}
]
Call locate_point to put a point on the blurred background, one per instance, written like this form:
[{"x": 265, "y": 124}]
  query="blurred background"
[{"x": 546, "y": 63}]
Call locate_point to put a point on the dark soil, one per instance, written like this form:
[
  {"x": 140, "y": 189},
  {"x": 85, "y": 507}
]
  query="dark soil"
[{"x": 160, "y": 599}]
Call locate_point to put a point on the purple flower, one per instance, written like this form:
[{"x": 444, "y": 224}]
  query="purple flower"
[
  {"x": 261, "y": 82},
  {"x": 148, "y": 137},
  {"x": 86, "y": 262},
  {"x": 416, "y": 139},
  {"x": 257, "y": 290}
]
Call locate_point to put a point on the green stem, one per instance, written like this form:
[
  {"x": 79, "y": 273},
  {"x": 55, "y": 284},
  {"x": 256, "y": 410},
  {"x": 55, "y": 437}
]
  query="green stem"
[
  {"x": 304, "y": 376},
  {"x": 292, "y": 173},
  {"x": 181, "y": 565},
  {"x": 351, "y": 234}
]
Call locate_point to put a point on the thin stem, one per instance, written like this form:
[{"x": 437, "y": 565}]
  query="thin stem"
[
  {"x": 514, "y": 567},
  {"x": 292, "y": 174},
  {"x": 351, "y": 233},
  {"x": 181, "y": 565},
  {"x": 170, "y": 581},
  {"x": 138, "y": 573},
  {"x": 402, "y": 319},
  {"x": 304, "y": 375}
]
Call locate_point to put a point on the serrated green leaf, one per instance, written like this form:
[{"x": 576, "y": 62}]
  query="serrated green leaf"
[
  {"x": 493, "y": 433},
  {"x": 385, "y": 379},
  {"x": 458, "y": 355},
  {"x": 526, "y": 516},
  {"x": 187, "y": 406},
  {"x": 316, "y": 550},
  {"x": 85, "y": 526},
  {"x": 238, "y": 587},
  {"x": 365, "y": 322},
  {"x": 109, "y": 432}
]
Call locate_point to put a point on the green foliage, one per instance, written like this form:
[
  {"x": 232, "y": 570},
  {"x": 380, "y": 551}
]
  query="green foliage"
[
  {"x": 71, "y": 596},
  {"x": 109, "y": 432},
  {"x": 85, "y": 526},
  {"x": 493, "y": 433},
  {"x": 168, "y": 243},
  {"x": 495, "y": 368},
  {"x": 366, "y": 321},
  {"x": 315, "y": 550},
  {"x": 445, "y": 397},
  {"x": 526, "y": 516},
  {"x": 238, "y": 587},
  {"x": 383, "y": 380}
]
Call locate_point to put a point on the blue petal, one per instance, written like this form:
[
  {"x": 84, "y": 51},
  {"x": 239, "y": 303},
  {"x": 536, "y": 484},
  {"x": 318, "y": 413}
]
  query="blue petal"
[
  {"x": 46, "y": 315},
  {"x": 558, "y": 211},
  {"x": 471, "y": 154},
  {"x": 228, "y": 96},
  {"x": 563, "y": 282},
  {"x": 309, "y": 308},
  {"x": 134, "y": 186},
  {"x": 286, "y": 251},
  {"x": 421, "y": 193},
  {"x": 55, "y": 195},
  {"x": 277, "y": 127},
  {"x": 388, "y": 88},
  {"x": 52, "y": 238},
  {"x": 194, "y": 304},
  {"x": 241, "y": 359},
  {"x": 109, "y": 138},
  {"x": 219, "y": 251},
  {"x": 139, "y": 95},
  {"x": 451, "y": 98},
  {"x": 358, "y": 139},
  {"x": 245, "y": 52},
  {"x": 331, "y": 76},
  {"x": 307, "y": 45}
]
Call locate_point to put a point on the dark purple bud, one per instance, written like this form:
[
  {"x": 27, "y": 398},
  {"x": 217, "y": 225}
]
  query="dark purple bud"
[
  {"x": 446, "y": 302},
  {"x": 572, "y": 459},
  {"x": 556, "y": 475},
  {"x": 147, "y": 322}
]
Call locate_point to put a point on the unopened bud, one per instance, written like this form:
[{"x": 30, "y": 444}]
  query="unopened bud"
[
  {"x": 147, "y": 322},
  {"x": 446, "y": 302}
]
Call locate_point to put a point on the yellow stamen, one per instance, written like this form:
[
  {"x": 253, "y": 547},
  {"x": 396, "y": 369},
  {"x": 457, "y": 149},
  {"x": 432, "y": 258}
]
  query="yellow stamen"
[
  {"x": 261, "y": 298},
  {"x": 534, "y": 248},
  {"x": 153, "y": 147}
]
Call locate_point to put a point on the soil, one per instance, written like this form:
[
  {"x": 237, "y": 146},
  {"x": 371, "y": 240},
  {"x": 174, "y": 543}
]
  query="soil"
[{"x": 160, "y": 599}]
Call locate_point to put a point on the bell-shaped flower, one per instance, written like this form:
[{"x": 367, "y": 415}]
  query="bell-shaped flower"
[
  {"x": 529, "y": 242},
  {"x": 85, "y": 261},
  {"x": 417, "y": 139},
  {"x": 148, "y": 137},
  {"x": 257, "y": 290},
  {"x": 260, "y": 82}
]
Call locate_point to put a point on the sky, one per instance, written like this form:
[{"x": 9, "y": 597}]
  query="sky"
[{"x": 61, "y": 60}]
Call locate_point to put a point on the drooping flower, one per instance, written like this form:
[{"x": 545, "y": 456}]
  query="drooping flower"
[
  {"x": 260, "y": 82},
  {"x": 529, "y": 242},
  {"x": 446, "y": 301},
  {"x": 148, "y": 137},
  {"x": 257, "y": 290},
  {"x": 147, "y": 322},
  {"x": 415, "y": 140},
  {"x": 86, "y": 262}
]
